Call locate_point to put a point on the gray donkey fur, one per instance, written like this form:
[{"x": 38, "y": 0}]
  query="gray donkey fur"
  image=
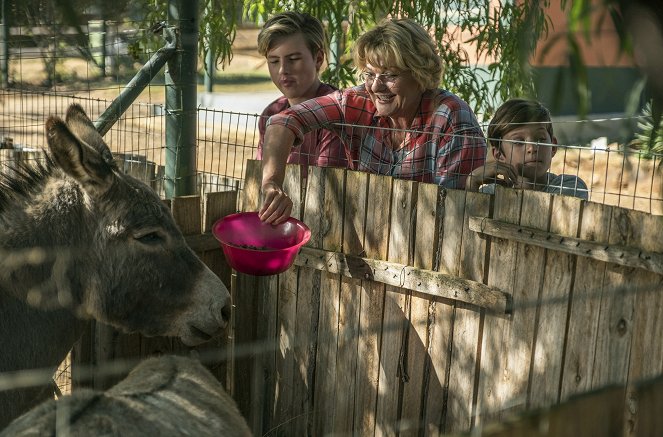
[
  {"x": 166, "y": 396},
  {"x": 80, "y": 240}
]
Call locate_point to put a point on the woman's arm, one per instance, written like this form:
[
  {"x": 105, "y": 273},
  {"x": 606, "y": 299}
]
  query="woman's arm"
[
  {"x": 283, "y": 131},
  {"x": 276, "y": 206}
]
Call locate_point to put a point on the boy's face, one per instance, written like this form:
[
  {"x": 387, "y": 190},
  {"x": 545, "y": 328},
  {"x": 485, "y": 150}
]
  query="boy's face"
[
  {"x": 519, "y": 148},
  {"x": 293, "y": 68}
]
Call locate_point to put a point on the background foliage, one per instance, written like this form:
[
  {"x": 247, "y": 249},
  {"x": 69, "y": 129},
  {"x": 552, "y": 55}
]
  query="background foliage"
[{"x": 504, "y": 34}]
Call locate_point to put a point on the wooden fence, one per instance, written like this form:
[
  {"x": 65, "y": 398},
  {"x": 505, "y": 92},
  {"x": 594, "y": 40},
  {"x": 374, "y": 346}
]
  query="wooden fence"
[
  {"x": 419, "y": 310},
  {"x": 416, "y": 310}
]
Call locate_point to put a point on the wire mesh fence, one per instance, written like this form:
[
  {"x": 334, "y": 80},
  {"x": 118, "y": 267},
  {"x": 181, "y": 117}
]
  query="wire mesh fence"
[
  {"x": 52, "y": 65},
  {"x": 613, "y": 173}
]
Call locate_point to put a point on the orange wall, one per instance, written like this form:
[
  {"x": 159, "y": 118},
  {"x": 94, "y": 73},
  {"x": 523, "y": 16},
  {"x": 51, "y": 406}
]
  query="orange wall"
[{"x": 602, "y": 50}]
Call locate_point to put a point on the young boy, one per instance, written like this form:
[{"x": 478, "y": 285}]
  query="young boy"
[
  {"x": 521, "y": 140},
  {"x": 295, "y": 45}
]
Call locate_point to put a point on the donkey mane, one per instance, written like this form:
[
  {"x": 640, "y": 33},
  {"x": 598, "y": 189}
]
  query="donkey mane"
[{"x": 25, "y": 180}]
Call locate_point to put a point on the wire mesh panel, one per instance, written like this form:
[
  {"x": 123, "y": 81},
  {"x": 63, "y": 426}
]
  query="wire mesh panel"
[
  {"x": 614, "y": 174},
  {"x": 225, "y": 139}
]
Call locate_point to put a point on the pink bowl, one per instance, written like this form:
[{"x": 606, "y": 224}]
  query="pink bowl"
[{"x": 258, "y": 248}]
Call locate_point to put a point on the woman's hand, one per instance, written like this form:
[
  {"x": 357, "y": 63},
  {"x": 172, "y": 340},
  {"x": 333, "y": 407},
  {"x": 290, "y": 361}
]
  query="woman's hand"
[
  {"x": 276, "y": 205},
  {"x": 492, "y": 172}
]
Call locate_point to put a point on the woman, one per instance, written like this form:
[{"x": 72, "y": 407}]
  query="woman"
[{"x": 397, "y": 123}]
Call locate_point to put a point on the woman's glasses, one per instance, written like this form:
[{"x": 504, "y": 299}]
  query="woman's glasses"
[{"x": 386, "y": 78}]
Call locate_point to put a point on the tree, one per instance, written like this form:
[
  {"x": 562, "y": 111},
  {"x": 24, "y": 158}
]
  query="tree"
[{"x": 502, "y": 32}]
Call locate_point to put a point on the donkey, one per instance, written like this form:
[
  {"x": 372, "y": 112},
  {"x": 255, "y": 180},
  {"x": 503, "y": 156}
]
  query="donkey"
[
  {"x": 79, "y": 240},
  {"x": 164, "y": 396}
]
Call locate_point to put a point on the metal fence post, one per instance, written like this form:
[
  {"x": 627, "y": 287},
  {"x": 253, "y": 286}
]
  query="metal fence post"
[
  {"x": 181, "y": 113},
  {"x": 4, "y": 44}
]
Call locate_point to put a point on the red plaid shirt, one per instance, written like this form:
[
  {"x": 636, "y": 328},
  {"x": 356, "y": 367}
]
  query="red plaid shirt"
[
  {"x": 321, "y": 148},
  {"x": 443, "y": 145}
]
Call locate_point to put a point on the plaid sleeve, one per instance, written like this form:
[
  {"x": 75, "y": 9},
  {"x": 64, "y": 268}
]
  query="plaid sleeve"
[
  {"x": 462, "y": 146},
  {"x": 310, "y": 115}
]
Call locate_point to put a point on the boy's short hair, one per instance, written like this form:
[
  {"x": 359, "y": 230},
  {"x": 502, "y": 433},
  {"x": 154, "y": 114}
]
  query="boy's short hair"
[
  {"x": 403, "y": 44},
  {"x": 512, "y": 114},
  {"x": 291, "y": 23}
]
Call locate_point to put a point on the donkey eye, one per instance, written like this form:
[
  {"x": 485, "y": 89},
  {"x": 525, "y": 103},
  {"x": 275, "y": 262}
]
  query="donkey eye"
[{"x": 150, "y": 238}]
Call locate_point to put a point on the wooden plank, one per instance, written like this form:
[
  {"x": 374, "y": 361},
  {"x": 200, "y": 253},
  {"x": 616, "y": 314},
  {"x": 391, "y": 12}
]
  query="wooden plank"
[
  {"x": 104, "y": 354},
  {"x": 285, "y": 359},
  {"x": 394, "y": 349},
  {"x": 246, "y": 297},
  {"x": 528, "y": 279},
  {"x": 187, "y": 213},
  {"x": 443, "y": 409},
  {"x": 629, "y": 256},
  {"x": 217, "y": 351},
  {"x": 584, "y": 308},
  {"x": 650, "y": 398},
  {"x": 465, "y": 335},
  {"x": 308, "y": 305},
  {"x": 427, "y": 282},
  {"x": 286, "y": 368},
  {"x": 123, "y": 347},
  {"x": 646, "y": 359},
  {"x": 372, "y": 304},
  {"x": 558, "y": 277},
  {"x": 473, "y": 250},
  {"x": 592, "y": 414},
  {"x": 324, "y": 395},
  {"x": 599, "y": 413},
  {"x": 615, "y": 327},
  {"x": 497, "y": 389},
  {"x": 356, "y": 191},
  {"x": 416, "y": 387},
  {"x": 438, "y": 329},
  {"x": 217, "y": 206},
  {"x": 251, "y": 199},
  {"x": 81, "y": 359}
]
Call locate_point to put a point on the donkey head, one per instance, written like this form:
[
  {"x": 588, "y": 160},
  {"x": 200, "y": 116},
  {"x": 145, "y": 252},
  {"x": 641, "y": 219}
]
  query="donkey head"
[{"x": 122, "y": 259}]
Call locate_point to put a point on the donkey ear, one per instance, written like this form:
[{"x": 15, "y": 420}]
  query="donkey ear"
[
  {"x": 82, "y": 127},
  {"x": 78, "y": 159}
]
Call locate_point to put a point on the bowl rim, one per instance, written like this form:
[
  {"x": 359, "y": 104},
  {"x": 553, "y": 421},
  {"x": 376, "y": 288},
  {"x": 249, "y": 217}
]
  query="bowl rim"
[{"x": 296, "y": 221}]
